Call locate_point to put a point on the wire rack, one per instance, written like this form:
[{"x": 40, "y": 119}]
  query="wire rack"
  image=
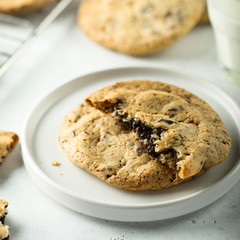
[{"x": 17, "y": 32}]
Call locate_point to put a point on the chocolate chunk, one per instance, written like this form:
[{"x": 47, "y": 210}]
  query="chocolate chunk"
[
  {"x": 2, "y": 219},
  {"x": 117, "y": 103},
  {"x": 166, "y": 121},
  {"x": 144, "y": 132},
  {"x": 172, "y": 110},
  {"x": 172, "y": 153},
  {"x": 134, "y": 125},
  {"x": 159, "y": 131},
  {"x": 151, "y": 150},
  {"x": 168, "y": 14}
]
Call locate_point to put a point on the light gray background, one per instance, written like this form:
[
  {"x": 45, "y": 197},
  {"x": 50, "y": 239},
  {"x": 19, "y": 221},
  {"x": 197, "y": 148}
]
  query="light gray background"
[{"x": 60, "y": 54}]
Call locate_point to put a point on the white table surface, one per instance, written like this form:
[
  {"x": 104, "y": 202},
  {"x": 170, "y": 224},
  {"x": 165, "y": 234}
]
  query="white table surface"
[{"x": 60, "y": 54}]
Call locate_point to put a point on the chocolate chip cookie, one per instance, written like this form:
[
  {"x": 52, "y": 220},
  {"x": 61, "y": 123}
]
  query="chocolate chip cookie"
[
  {"x": 4, "y": 232},
  {"x": 8, "y": 141},
  {"x": 138, "y": 27},
  {"x": 205, "y": 17},
  {"x": 98, "y": 143},
  {"x": 3, "y": 210},
  {"x": 173, "y": 125},
  {"x": 23, "y": 6}
]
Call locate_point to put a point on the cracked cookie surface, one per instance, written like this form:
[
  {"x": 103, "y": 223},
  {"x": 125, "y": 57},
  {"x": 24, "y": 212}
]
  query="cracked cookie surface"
[
  {"x": 168, "y": 121},
  {"x": 138, "y": 27},
  {"x": 98, "y": 143}
]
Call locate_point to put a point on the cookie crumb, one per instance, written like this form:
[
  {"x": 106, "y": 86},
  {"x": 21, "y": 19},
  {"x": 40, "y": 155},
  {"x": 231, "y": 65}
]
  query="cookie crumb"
[
  {"x": 55, "y": 163},
  {"x": 60, "y": 173}
]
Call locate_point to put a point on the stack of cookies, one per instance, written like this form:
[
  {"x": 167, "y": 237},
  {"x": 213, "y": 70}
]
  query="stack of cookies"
[
  {"x": 139, "y": 27},
  {"x": 144, "y": 135}
]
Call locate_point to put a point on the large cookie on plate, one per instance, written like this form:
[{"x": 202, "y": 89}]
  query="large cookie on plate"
[
  {"x": 23, "y": 6},
  {"x": 138, "y": 27},
  {"x": 167, "y": 120},
  {"x": 98, "y": 143}
]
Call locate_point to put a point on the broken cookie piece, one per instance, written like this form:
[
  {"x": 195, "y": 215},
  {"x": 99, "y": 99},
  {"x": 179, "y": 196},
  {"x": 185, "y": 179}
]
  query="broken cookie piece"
[
  {"x": 8, "y": 141},
  {"x": 4, "y": 232},
  {"x": 172, "y": 124},
  {"x": 3, "y": 210}
]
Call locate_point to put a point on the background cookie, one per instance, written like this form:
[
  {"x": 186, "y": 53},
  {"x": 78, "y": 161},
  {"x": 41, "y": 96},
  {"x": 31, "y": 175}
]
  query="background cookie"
[
  {"x": 96, "y": 142},
  {"x": 8, "y": 141},
  {"x": 23, "y": 6},
  {"x": 138, "y": 27},
  {"x": 205, "y": 17},
  {"x": 168, "y": 120},
  {"x": 3, "y": 209}
]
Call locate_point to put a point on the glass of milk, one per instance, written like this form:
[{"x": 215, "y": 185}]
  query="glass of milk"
[{"x": 225, "y": 19}]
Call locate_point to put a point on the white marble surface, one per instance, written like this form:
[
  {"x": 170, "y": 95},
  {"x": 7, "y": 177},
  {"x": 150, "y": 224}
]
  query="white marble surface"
[{"x": 60, "y": 54}]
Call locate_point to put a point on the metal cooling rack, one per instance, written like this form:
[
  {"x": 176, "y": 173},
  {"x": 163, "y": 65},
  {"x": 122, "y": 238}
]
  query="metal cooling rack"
[{"x": 17, "y": 32}]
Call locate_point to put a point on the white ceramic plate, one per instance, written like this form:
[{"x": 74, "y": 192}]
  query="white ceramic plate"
[{"x": 85, "y": 193}]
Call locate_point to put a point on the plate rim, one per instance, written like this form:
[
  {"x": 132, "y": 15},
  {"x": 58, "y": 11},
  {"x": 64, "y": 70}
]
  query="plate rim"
[{"x": 232, "y": 173}]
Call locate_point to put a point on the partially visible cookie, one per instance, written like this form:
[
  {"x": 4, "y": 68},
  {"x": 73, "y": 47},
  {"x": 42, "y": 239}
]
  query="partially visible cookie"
[
  {"x": 23, "y": 6},
  {"x": 96, "y": 142},
  {"x": 3, "y": 210},
  {"x": 167, "y": 120},
  {"x": 138, "y": 27},
  {"x": 205, "y": 17},
  {"x": 4, "y": 232},
  {"x": 8, "y": 141}
]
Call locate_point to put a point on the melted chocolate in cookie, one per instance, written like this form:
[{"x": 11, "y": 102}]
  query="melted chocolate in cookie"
[{"x": 148, "y": 136}]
